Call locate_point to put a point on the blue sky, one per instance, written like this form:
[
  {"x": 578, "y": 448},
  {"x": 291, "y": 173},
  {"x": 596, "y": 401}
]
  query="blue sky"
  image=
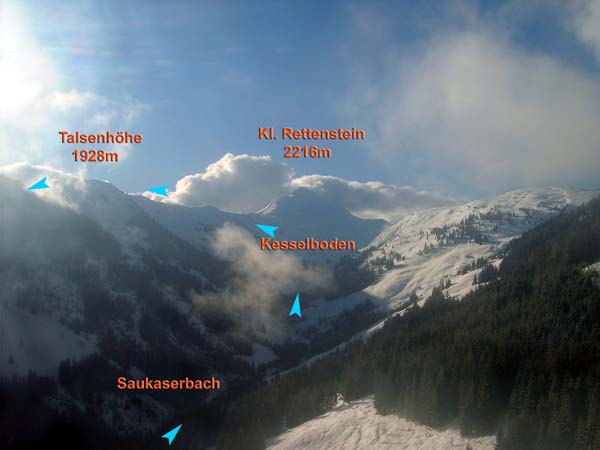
[{"x": 198, "y": 78}]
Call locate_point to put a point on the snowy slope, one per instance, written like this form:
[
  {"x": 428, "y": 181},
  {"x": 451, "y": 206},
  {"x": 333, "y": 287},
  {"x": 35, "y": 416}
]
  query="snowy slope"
[
  {"x": 70, "y": 252},
  {"x": 357, "y": 426},
  {"x": 191, "y": 224},
  {"x": 498, "y": 220},
  {"x": 84, "y": 270},
  {"x": 37, "y": 343},
  {"x": 435, "y": 246}
]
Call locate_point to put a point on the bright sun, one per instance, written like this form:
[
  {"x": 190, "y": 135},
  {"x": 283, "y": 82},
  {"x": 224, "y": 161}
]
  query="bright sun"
[{"x": 25, "y": 71}]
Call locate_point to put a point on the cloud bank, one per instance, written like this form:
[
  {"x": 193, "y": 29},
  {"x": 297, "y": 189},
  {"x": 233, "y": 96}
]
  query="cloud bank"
[
  {"x": 475, "y": 112},
  {"x": 585, "y": 22},
  {"x": 246, "y": 183},
  {"x": 372, "y": 199},
  {"x": 65, "y": 188},
  {"x": 241, "y": 183}
]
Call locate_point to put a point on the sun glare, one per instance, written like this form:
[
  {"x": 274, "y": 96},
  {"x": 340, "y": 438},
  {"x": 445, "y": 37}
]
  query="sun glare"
[{"x": 25, "y": 71}]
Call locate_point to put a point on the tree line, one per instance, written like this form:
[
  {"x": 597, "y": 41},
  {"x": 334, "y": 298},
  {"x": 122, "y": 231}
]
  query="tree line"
[{"x": 519, "y": 357}]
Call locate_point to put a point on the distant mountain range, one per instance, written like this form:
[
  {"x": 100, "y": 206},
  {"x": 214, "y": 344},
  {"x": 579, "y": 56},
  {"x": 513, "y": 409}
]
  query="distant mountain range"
[
  {"x": 87, "y": 269},
  {"x": 298, "y": 215}
]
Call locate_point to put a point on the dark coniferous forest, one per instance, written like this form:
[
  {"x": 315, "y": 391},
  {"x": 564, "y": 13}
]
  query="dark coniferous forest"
[{"x": 519, "y": 357}]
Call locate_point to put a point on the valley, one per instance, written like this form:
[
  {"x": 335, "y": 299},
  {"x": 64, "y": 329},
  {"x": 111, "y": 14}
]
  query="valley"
[{"x": 140, "y": 283}]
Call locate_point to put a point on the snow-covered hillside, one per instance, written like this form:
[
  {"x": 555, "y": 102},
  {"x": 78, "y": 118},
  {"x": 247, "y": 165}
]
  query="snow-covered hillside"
[
  {"x": 424, "y": 247},
  {"x": 595, "y": 269},
  {"x": 437, "y": 244},
  {"x": 440, "y": 244},
  {"x": 357, "y": 426},
  {"x": 90, "y": 280},
  {"x": 88, "y": 268}
]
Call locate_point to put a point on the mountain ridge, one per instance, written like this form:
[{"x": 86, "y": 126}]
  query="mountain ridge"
[{"x": 298, "y": 215}]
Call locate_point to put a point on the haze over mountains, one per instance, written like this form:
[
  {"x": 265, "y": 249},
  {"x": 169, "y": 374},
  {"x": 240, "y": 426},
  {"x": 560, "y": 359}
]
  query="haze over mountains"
[
  {"x": 87, "y": 269},
  {"x": 149, "y": 237}
]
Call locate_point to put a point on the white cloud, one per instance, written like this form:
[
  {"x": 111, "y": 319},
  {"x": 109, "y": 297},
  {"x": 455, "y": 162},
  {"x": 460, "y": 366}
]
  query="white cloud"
[
  {"x": 479, "y": 113},
  {"x": 70, "y": 99},
  {"x": 241, "y": 183},
  {"x": 372, "y": 199},
  {"x": 34, "y": 130},
  {"x": 258, "y": 280},
  {"x": 38, "y": 100},
  {"x": 63, "y": 185},
  {"x": 586, "y": 23},
  {"x": 245, "y": 183}
]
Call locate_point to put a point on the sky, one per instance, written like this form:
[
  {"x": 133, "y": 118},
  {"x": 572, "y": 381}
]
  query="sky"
[{"x": 459, "y": 99}]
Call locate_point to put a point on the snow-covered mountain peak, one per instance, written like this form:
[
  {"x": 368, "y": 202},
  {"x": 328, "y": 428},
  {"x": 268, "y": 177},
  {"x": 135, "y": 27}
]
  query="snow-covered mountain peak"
[
  {"x": 417, "y": 252},
  {"x": 99, "y": 200},
  {"x": 541, "y": 199},
  {"x": 301, "y": 200},
  {"x": 298, "y": 215},
  {"x": 523, "y": 206}
]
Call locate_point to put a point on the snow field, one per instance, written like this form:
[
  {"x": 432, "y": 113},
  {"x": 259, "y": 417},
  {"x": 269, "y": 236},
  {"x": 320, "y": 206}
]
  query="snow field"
[{"x": 357, "y": 426}]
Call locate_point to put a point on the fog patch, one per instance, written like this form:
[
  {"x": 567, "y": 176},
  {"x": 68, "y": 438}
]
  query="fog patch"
[{"x": 262, "y": 285}]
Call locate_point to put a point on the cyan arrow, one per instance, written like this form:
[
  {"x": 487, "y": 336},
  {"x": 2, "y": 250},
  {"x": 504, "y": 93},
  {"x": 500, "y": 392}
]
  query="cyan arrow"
[
  {"x": 171, "y": 434},
  {"x": 160, "y": 190},
  {"x": 268, "y": 229},
  {"x": 39, "y": 185},
  {"x": 296, "y": 307}
]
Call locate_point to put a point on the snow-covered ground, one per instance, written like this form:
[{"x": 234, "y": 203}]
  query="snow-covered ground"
[
  {"x": 37, "y": 343},
  {"x": 596, "y": 269},
  {"x": 357, "y": 426},
  {"x": 501, "y": 219},
  {"x": 419, "y": 272}
]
